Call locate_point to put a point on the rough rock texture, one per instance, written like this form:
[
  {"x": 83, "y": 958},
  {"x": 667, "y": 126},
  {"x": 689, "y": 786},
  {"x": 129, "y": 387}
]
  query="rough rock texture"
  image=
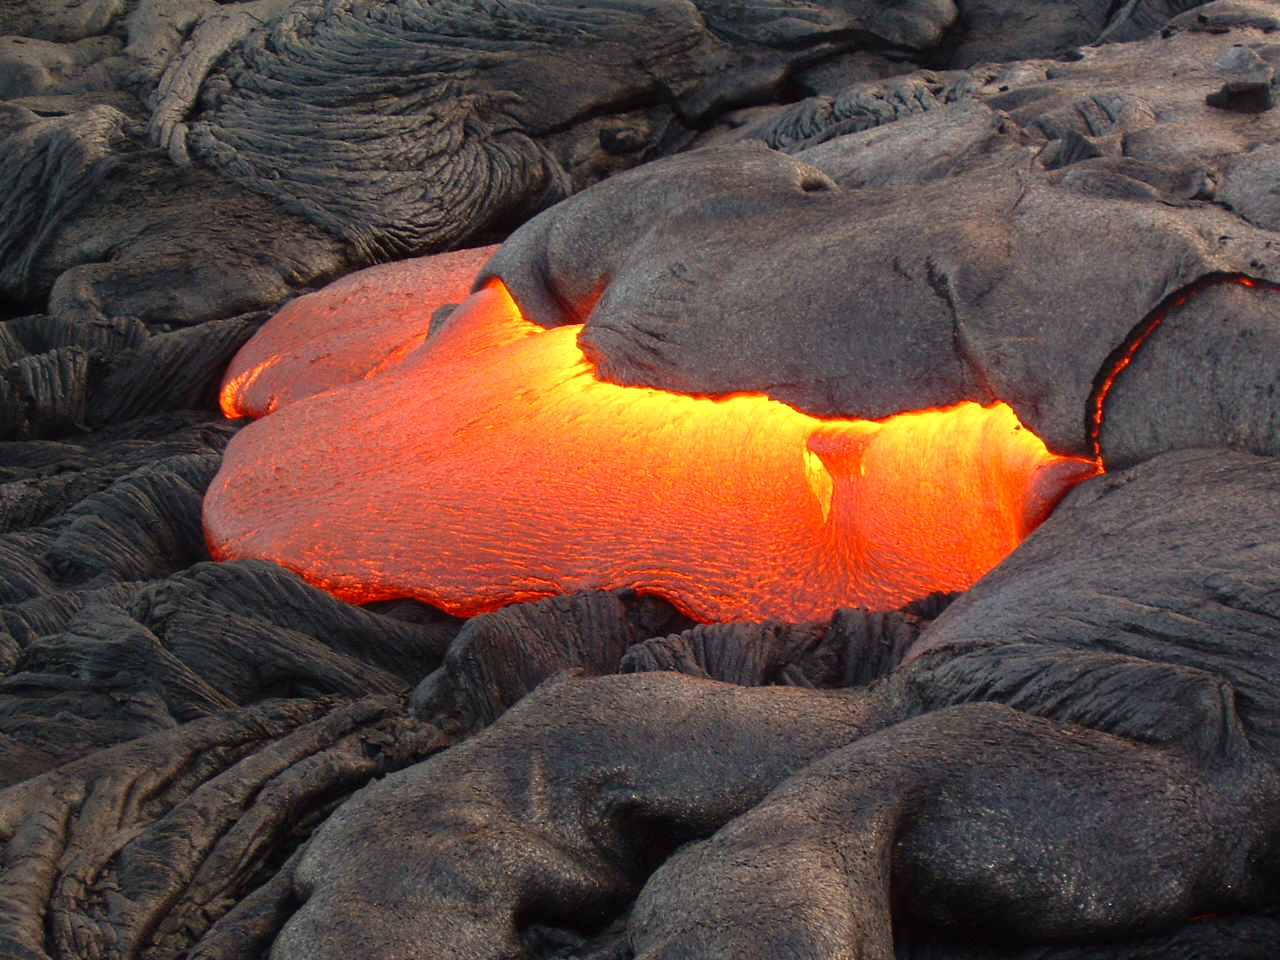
[
  {"x": 185, "y": 160},
  {"x": 1073, "y": 761},
  {"x": 478, "y": 681},
  {"x": 988, "y": 234},
  {"x": 191, "y": 248},
  {"x": 1042, "y": 698},
  {"x": 161, "y": 833},
  {"x": 452, "y": 119},
  {"x": 64, "y": 377},
  {"x": 527, "y": 73}
]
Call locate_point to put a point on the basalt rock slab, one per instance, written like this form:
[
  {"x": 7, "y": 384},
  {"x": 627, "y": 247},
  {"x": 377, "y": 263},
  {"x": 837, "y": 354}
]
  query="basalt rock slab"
[
  {"x": 493, "y": 119},
  {"x": 105, "y": 680},
  {"x": 588, "y": 633},
  {"x": 106, "y": 512},
  {"x": 225, "y": 798},
  {"x": 61, "y": 376},
  {"x": 1060, "y": 682},
  {"x": 515, "y": 92},
  {"x": 857, "y": 646},
  {"x": 984, "y": 268},
  {"x": 1201, "y": 611},
  {"x": 33, "y": 67},
  {"x": 44, "y": 478},
  {"x": 1208, "y": 375},
  {"x": 95, "y": 666},
  {"x": 426, "y": 125},
  {"x": 192, "y": 247},
  {"x": 403, "y": 641}
]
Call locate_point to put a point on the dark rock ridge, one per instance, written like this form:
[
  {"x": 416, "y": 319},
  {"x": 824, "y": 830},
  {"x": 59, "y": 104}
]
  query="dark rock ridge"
[
  {"x": 1123, "y": 660},
  {"x": 898, "y": 205},
  {"x": 180, "y": 161},
  {"x": 983, "y": 246}
]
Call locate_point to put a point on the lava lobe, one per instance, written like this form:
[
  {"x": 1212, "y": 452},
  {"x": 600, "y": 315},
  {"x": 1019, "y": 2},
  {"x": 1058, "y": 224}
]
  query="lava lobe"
[{"x": 486, "y": 464}]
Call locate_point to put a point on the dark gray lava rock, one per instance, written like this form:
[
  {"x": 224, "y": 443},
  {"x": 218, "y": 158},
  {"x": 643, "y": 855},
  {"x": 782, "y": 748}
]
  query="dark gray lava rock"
[
  {"x": 499, "y": 657},
  {"x": 952, "y": 255},
  {"x": 1169, "y": 570},
  {"x": 184, "y": 822},
  {"x": 394, "y": 128},
  {"x": 1083, "y": 746}
]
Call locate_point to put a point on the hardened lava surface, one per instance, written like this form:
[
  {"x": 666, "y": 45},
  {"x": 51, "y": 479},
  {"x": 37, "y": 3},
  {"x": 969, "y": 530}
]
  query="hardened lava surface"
[{"x": 1071, "y": 760}]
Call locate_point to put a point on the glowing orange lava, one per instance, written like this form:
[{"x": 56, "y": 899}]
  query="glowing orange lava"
[
  {"x": 345, "y": 331},
  {"x": 489, "y": 466}
]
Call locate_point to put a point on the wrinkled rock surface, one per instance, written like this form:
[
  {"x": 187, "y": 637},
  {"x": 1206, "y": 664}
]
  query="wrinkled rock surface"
[
  {"x": 979, "y": 246},
  {"x": 897, "y": 205},
  {"x": 1091, "y": 666}
]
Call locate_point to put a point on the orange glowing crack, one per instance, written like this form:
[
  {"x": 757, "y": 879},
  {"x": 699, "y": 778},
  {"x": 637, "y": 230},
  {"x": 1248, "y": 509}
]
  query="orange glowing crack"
[
  {"x": 490, "y": 466},
  {"x": 1124, "y": 354},
  {"x": 229, "y": 398}
]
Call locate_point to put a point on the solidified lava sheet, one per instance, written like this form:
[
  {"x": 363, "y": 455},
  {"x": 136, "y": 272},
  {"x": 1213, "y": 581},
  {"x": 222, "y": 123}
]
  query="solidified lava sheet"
[{"x": 488, "y": 465}]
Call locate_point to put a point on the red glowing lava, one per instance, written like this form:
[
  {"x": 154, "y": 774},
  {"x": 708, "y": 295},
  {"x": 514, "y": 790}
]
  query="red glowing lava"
[
  {"x": 487, "y": 465},
  {"x": 346, "y": 331}
]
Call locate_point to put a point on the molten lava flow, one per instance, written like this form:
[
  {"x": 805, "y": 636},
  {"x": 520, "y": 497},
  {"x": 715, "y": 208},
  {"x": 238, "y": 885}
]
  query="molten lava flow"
[
  {"x": 489, "y": 466},
  {"x": 346, "y": 330}
]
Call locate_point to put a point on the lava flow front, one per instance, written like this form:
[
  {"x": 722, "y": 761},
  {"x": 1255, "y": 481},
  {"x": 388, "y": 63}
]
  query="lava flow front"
[{"x": 487, "y": 465}]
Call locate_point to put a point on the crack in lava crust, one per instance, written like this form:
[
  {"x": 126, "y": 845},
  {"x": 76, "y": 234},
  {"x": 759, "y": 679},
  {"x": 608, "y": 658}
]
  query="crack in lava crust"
[
  {"x": 489, "y": 465},
  {"x": 1123, "y": 355}
]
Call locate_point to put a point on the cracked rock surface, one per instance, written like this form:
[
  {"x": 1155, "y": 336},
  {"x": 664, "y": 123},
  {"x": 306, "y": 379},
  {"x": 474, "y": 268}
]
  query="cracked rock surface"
[{"x": 1001, "y": 239}]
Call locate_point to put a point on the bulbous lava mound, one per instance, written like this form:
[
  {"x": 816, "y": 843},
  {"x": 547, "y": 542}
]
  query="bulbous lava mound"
[{"x": 489, "y": 465}]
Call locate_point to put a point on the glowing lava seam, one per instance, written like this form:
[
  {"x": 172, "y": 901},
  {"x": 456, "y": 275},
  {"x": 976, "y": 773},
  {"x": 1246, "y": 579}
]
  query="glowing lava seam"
[
  {"x": 490, "y": 466},
  {"x": 1123, "y": 355}
]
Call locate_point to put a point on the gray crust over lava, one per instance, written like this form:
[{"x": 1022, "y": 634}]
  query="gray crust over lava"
[
  {"x": 857, "y": 206},
  {"x": 999, "y": 241}
]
